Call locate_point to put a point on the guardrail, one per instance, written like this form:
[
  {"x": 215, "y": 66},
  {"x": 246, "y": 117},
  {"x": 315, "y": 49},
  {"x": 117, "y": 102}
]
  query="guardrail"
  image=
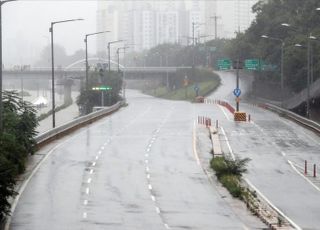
[
  {"x": 48, "y": 136},
  {"x": 297, "y": 118}
]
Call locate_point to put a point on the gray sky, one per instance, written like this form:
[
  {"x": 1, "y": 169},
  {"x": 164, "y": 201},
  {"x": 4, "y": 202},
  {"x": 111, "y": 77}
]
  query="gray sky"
[{"x": 26, "y": 26}]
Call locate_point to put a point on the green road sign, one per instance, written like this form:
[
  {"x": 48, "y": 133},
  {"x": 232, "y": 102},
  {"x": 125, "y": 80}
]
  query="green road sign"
[
  {"x": 252, "y": 64},
  {"x": 102, "y": 88},
  {"x": 224, "y": 64}
]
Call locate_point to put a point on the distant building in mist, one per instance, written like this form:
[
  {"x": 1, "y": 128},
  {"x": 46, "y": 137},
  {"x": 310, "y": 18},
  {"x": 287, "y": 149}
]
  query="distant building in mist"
[
  {"x": 243, "y": 14},
  {"x": 149, "y": 23}
]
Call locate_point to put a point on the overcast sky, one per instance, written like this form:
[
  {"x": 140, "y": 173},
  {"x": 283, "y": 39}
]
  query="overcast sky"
[{"x": 26, "y": 26}]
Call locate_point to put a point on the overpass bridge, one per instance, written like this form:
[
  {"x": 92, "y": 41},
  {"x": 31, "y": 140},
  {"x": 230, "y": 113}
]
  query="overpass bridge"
[{"x": 79, "y": 72}]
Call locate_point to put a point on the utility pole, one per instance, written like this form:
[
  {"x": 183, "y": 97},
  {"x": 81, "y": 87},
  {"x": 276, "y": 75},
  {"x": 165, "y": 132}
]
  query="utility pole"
[
  {"x": 193, "y": 42},
  {"x": 215, "y": 18}
]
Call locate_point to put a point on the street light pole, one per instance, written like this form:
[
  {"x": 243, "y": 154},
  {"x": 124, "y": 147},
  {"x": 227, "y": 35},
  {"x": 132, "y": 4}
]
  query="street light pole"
[
  {"x": 109, "y": 44},
  {"x": 52, "y": 67},
  {"x": 281, "y": 64},
  {"x": 1, "y": 105},
  {"x": 87, "y": 64}
]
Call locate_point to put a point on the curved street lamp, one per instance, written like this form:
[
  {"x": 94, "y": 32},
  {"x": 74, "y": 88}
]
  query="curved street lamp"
[
  {"x": 282, "y": 63},
  {"x": 52, "y": 65},
  {"x": 87, "y": 65}
]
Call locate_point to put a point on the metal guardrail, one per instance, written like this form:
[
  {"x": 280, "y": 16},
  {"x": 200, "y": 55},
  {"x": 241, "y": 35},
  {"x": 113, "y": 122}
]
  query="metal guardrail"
[
  {"x": 302, "y": 120},
  {"x": 65, "y": 128}
]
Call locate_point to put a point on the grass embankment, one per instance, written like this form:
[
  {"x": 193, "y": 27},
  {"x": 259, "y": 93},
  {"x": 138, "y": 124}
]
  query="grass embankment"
[{"x": 206, "y": 81}]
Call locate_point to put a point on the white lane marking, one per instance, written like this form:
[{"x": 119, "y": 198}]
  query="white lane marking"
[
  {"x": 146, "y": 161},
  {"x": 147, "y": 169},
  {"x": 148, "y": 176},
  {"x": 93, "y": 164},
  {"x": 89, "y": 180},
  {"x": 150, "y": 187},
  {"x": 228, "y": 144},
  {"x": 283, "y": 153},
  {"x": 150, "y": 145},
  {"x": 148, "y": 149},
  {"x": 272, "y": 205},
  {"x": 195, "y": 153},
  {"x": 166, "y": 226},
  {"x": 224, "y": 112},
  {"x": 102, "y": 147},
  {"x": 251, "y": 185},
  {"x": 91, "y": 171},
  {"x": 85, "y": 202},
  {"x": 153, "y": 198},
  {"x": 309, "y": 181},
  {"x": 87, "y": 191},
  {"x": 158, "y": 210},
  {"x": 99, "y": 152},
  {"x": 84, "y": 215},
  {"x": 97, "y": 157},
  {"x": 146, "y": 155}
]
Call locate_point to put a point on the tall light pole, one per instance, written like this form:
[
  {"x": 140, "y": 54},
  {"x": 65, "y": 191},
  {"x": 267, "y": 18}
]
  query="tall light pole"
[
  {"x": 118, "y": 55},
  {"x": 309, "y": 58},
  {"x": 1, "y": 111},
  {"x": 109, "y": 44},
  {"x": 52, "y": 65},
  {"x": 282, "y": 63},
  {"x": 87, "y": 64}
]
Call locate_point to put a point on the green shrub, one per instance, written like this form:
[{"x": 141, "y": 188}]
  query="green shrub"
[
  {"x": 229, "y": 173},
  {"x": 231, "y": 183}
]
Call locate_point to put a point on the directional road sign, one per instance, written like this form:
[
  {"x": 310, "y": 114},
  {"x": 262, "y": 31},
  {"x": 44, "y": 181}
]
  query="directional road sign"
[
  {"x": 237, "y": 92},
  {"x": 224, "y": 64},
  {"x": 252, "y": 64}
]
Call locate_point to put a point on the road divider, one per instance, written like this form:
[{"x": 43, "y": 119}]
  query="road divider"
[
  {"x": 66, "y": 128},
  {"x": 293, "y": 116}
]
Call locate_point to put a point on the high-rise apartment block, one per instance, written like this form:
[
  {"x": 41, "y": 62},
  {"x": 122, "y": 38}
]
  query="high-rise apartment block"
[{"x": 146, "y": 24}]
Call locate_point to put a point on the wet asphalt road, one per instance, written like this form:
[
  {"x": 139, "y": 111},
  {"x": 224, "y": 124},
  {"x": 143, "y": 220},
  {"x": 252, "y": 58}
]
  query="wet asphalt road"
[
  {"x": 272, "y": 143},
  {"x": 132, "y": 170},
  {"x": 136, "y": 170}
]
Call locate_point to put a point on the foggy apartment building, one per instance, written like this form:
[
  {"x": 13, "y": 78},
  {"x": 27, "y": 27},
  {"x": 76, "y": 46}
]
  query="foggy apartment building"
[
  {"x": 195, "y": 21},
  {"x": 243, "y": 14},
  {"x": 106, "y": 21},
  {"x": 210, "y": 10},
  {"x": 167, "y": 27}
]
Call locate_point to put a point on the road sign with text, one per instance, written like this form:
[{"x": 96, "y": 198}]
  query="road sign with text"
[{"x": 224, "y": 64}]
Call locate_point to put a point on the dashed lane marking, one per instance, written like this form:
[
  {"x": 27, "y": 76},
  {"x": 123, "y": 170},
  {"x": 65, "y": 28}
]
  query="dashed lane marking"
[
  {"x": 89, "y": 180},
  {"x": 87, "y": 191},
  {"x": 85, "y": 202},
  {"x": 85, "y": 215}
]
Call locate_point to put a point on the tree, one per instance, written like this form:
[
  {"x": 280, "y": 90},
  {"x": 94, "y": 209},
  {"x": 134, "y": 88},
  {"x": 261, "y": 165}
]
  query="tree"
[
  {"x": 88, "y": 99},
  {"x": 16, "y": 144}
]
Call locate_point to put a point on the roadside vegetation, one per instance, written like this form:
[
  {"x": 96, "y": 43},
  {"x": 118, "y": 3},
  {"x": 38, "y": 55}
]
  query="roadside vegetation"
[
  {"x": 229, "y": 172},
  {"x": 16, "y": 144},
  {"x": 204, "y": 80},
  {"x": 91, "y": 98}
]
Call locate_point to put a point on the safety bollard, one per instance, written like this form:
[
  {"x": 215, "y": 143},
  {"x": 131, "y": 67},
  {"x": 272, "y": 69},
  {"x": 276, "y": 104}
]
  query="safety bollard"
[
  {"x": 305, "y": 168},
  {"x": 249, "y": 117},
  {"x": 207, "y": 122},
  {"x": 314, "y": 170},
  {"x": 217, "y": 124}
]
